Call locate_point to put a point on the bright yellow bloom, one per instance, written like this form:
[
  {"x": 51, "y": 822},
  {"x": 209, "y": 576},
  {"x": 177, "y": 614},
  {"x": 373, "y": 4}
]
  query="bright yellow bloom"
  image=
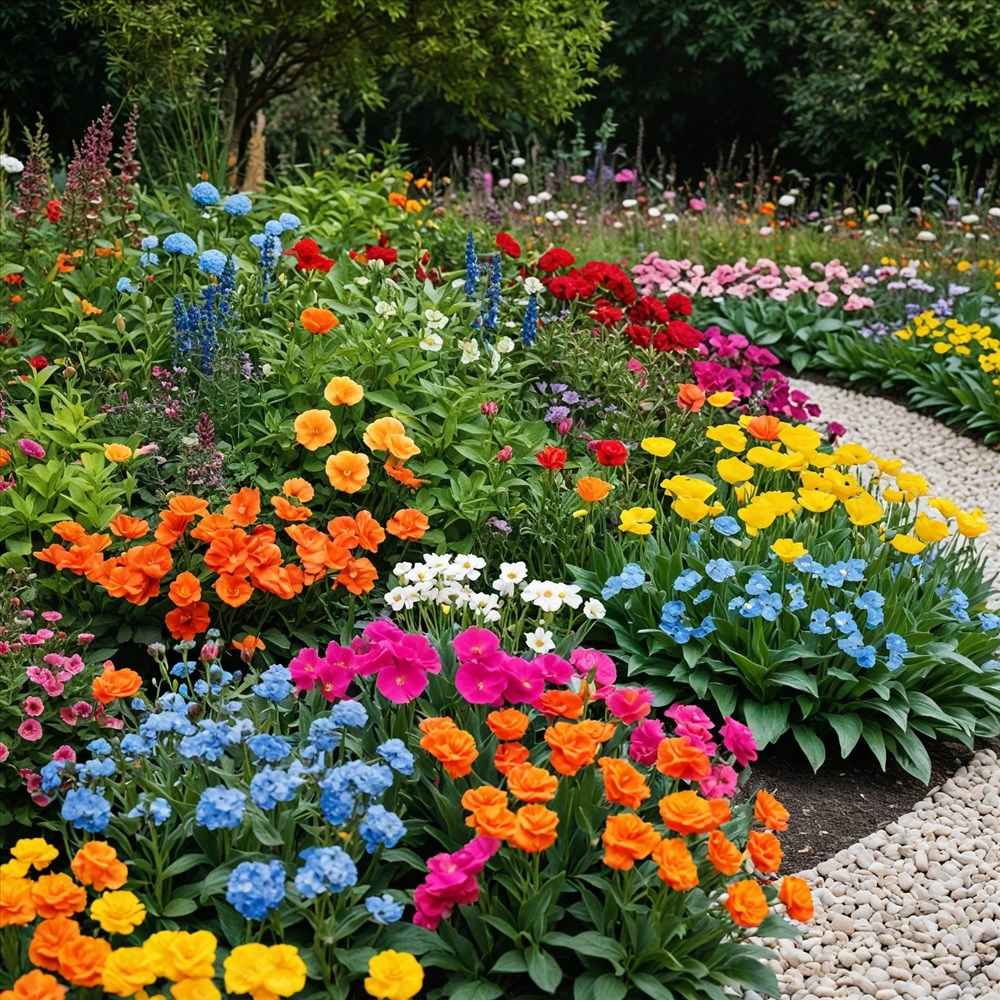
[
  {"x": 891, "y": 495},
  {"x": 582, "y": 512},
  {"x": 852, "y": 454},
  {"x": 688, "y": 486},
  {"x": 799, "y": 437},
  {"x": 637, "y": 520},
  {"x": 889, "y": 466},
  {"x": 694, "y": 508},
  {"x": 816, "y": 500},
  {"x": 343, "y": 391},
  {"x": 661, "y": 447},
  {"x": 117, "y": 452},
  {"x": 745, "y": 493},
  {"x": 971, "y": 524},
  {"x": 929, "y": 529},
  {"x": 788, "y": 550},
  {"x": 779, "y": 502},
  {"x": 34, "y": 852},
  {"x": 863, "y": 509},
  {"x": 734, "y": 470},
  {"x": 720, "y": 398},
  {"x": 394, "y": 975},
  {"x": 118, "y": 912},
  {"x": 181, "y": 954},
  {"x": 907, "y": 544},
  {"x": 729, "y": 436},
  {"x": 912, "y": 485},
  {"x": 127, "y": 971},
  {"x": 814, "y": 481},
  {"x": 771, "y": 459},
  {"x": 243, "y": 967},
  {"x": 843, "y": 486},
  {"x": 944, "y": 506},
  {"x": 757, "y": 516},
  {"x": 201, "y": 988}
]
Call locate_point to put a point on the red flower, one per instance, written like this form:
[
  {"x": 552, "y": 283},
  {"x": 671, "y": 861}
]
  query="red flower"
[
  {"x": 610, "y": 452},
  {"x": 38, "y": 362},
  {"x": 638, "y": 334},
  {"x": 309, "y": 258},
  {"x": 679, "y": 304},
  {"x": 387, "y": 254},
  {"x": 509, "y": 245},
  {"x": 555, "y": 259},
  {"x": 572, "y": 285},
  {"x": 13, "y": 279},
  {"x": 552, "y": 458},
  {"x": 53, "y": 211},
  {"x": 649, "y": 310},
  {"x": 605, "y": 313}
]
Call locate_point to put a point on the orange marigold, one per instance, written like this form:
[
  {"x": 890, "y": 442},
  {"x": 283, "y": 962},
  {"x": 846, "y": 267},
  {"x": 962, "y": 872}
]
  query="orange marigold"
[
  {"x": 128, "y": 527},
  {"x": 403, "y": 475},
  {"x": 536, "y": 829},
  {"x": 358, "y": 576},
  {"x": 770, "y": 811},
  {"x": 36, "y": 985},
  {"x": 746, "y": 903},
  {"x": 298, "y": 489},
  {"x": 592, "y": 489},
  {"x": 795, "y": 894},
  {"x": 314, "y": 429},
  {"x": 17, "y": 905},
  {"x": 508, "y": 724},
  {"x": 453, "y": 747},
  {"x": 765, "y": 851},
  {"x": 532, "y": 784},
  {"x": 679, "y": 759},
  {"x": 57, "y": 896},
  {"x": 675, "y": 866},
  {"x": 96, "y": 864},
  {"x": 627, "y": 839},
  {"x": 185, "y": 623},
  {"x": 724, "y": 855},
  {"x": 114, "y": 684},
  {"x": 687, "y": 812},
  {"x": 82, "y": 959},
  {"x": 48, "y": 940},
  {"x": 623, "y": 784},
  {"x": 572, "y": 747},
  {"x": 509, "y": 755},
  {"x": 185, "y": 590},
  {"x": 764, "y": 427}
]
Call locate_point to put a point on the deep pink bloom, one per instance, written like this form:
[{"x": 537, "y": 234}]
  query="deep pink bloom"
[
  {"x": 595, "y": 667},
  {"x": 51, "y": 616},
  {"x": 4, "y": 752},
  {"x": 33, "y": 705},
  {"x": 68, "y": 716},
  {"x": 451, "y": 881},
  {"x": 697, "y": 204},
  {"x": 83, "y": 709},
  {"x": 65, "y": 753},
  {"x": 404, "y": 676},
  {"x": 30, "y": 730},
  {"x": 739, "y": 741},
  {"x": 694, "y": 725},
  {"x": 31, "y": 639},
  {"x": 481, "y": 681},
  {"x": 474, "y": 643},
  {"x": 525, "y": 681},
  {"x": 720, "y": 784},
  {"x": 630, "y": 704},
  {"x": 505, "y": 454},
  {"x": 31, "y": 448},
  {"x": 304, "y": 669},
  {"x": 85, "y": 637},
  {"x": 555, "y": 669},
  {"x": 644, "y": 741}
]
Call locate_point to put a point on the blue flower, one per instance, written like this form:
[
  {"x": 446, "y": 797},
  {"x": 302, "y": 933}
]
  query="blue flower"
[
  {"x": 748, "y": 607},
  {"x": 396, "y": 755},
  {"x": 672, "y": 611},
  {"x": 204, "y": 194},
  {"x": 264, "y": 746},
  {"x": 289, "y": 221},
  {"x": 270, "y": 786},
  {"x": 149, "y": 259},
  {"x": 758, "y": 584},
  {"x": 702, "y": 595},
  {"x": 370, "y": 779},
  {"x": 323, "y": 734},
  {"x": 694, "y": 541},
  {"x": 220, "y": 808},
  {"x": 719, "y": 570},
  {"x": 99, "y": 747},
  {"x": 273, "y": 228},
  {"x": 134, "y": 745},
  {"x": 726, "y": 525},
  {"x": 326, "y": 869},
  {"x": 52, "y": 777},
  {"x": 855, "y": 647},
  {"x": 959, "y": 604},
  {"x": 380, "y": 828},
  {"x": 797, "y": 596},
  {"x": 384, "y": 909},
  {"x": 349, "y": 713},
  {"x": 529, "y": 325},
  {"x": 706, "y": 627},
  {"x": 125, "y": 285},
  {"x": 99, "y": 767},
  {"x": 237, "y": 204},
  {"x": 845, "y": 622},
  {"x": 989, "y": 621},
  {"x": 818, "y": 622},
  {"x": 255, "y": 889},
  {"x": 213, "y": 262},
  {"x": 180, "y": 243},
  {"x": 851, "y": 571},
  {"x": 157, "y": 811},
  {"x": 807, "y": 564},
  {"x": 86, "y": 810},
  {"x": 896, "y": 647},
  {"x": 275, "y": 683},
  {"x": 149, "y": 243},
  {"x": 612, "y": 586},
  {"x": 632, "y": 576},
  {"x": 871, "y": 602},
  {"x": 688, "y": 580}
]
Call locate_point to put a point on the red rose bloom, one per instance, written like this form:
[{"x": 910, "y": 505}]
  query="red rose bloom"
[
  {"x": 552, "y": 458},
  {"x": 610, "y": 452},
  {"x": 38, "y": 362},
  {"x": 638, "y": 334},
  {"x": 649, "y": 310},
  {"x": 605, "y": 313},
  {"x": 308, "y": 256},
  {"x": 387, "y": 254},
  {"x": 679, "y": 304},
  {"x": 509, "y": 245},
  {"x": 554, "y": 259}
]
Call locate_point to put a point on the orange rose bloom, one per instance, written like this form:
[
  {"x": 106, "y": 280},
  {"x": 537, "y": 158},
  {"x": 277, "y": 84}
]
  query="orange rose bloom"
[
  {"x": 764, "y": 428},
  {"x": 57, "y": 896},
  {"x": 318, "y": 320},
  {"x": 746, "y": 903},
  {"x": 719, "y": 808},
  {"x": 128, "y": 527},
  {"x": 314, "y": 429},
  {"x": 358, "y": 576},
  {"x": 36, "y": 985},
  {"x": 725, "y": 856},
  {"x": 509, "y": 755},
  {"x": 765, "y": 851},
  {"x": 233, "y": 590},
  {"x": 347, "y": 471},
  {"x": 49, "y": 938},
  {"x": 572, "y": 747},
  {"x": 479, "y": 798},
  {"x": 437, "y": 724},
  {"x": 687, "y": 812},
  {"x": 770, "y": 811},
  {"x": 288, "y": 511},
  {"x": 508, "y": 724},
  {"x": 408, "y": 524},
  {"x": 679, "y": 759},
  {"x": 114, "y": 684},
  {"x": 592, "y": 489},
  {"x": 795, "y": 894},
  {"x": 369, "y": 531},
  {"x": 17, "y": 905},
  {"x": 97, "y": 864},
  {"x": 568, "y": 704},
  {"x": 343, "y": 391},
  {"x": 154, "y": 560},
  {"x": 403, "y": 475},
  {"x": 676, "y": 867},
  {"x": 690, "y": 397},
  {"x": 243, "y": 507},
  {"x": 536, "y": 829},
  {"x": 82, "y": 959},
  {"x": 623, "y": 784},
  {"x": 171, "y": 527},
  {"x": 627, "y": 839},
  {"x": 532, "y": 784},
  {"x": 493, "y": 821},
  {"x": 188, "y": 505},
  {"x": 599, "y": 732},
  {"x": 69, "y": 531},
  {"x": 377, "y": 433},
  {"x": 212, "y": 526},
  {"x": 298, "y": 489},
  {"x": 185, "y": 590},
  {"x": 454, "y": 748},
  {"x": 186, "y": 623}
]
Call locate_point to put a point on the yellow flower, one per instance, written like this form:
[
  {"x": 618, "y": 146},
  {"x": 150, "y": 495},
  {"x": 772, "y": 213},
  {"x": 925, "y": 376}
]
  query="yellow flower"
[
  {"x": 694, "y": 508},
  {"x": 929, "y": 529},
  {"x": 779, "y": 502},
  {"x": 799, "y": 437},
  {"x": 582, "y": 512},
  {"x": 971, "y": 524},
  {"x": 720, "y": 398},
  {"x": 34, "y": 852},
  {"x": 688, "y": 486},
  {"x": 889, "y": 466},
  {"x": 394, "y": 975},
  {"x": 863, "y": 509},
  {"x": 127, "y": 971},
  {"x": 117, "y": 452},
  {"x": 962, "y": 266},
  {"x": 182, "y": 954},
  {"x": 199, "y": 988},
  {"x": 756, "y": 516},
  {"x": 907, "y": 544},
  {"x": 842, "y": 486},
  {"x": 661, "y": 447},
  {"x": 637, "y": 520},
  {"x": 118, "y": 912},
  {"x": 944, "y": 506},
  {"x": 771, "y": 459},
  {"x": 788, "y": 550},
  {"x": 852, "y": 454},
  {"x": 729, "y": 436},
  {"x": 734, "y": 470},
  {"x": 891, "y": 495},
  {"x": 343, "y": 391},
  {"x": 244, "y": 966},
  {"x": 912, "y": 485},
  {"x": 816, "y": 500}
]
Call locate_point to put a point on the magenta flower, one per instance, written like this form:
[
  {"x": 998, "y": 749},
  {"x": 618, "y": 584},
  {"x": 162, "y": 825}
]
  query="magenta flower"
[
  {"x": 451, "y": 881},
  {"x": 304, "y": 669},
  {"x": 68, "y": 715},
  {"x": 33, "y": 705},
  {"x": 625, "y": 176},
  {"x": 720, "y": 784},
  {"x": 739, "y": 741},
  {"x": 85, "y": 637},
  {"x": 31, "y": 448},
  {"x": 336, "y": 671},
  {"x": 30, "y": 730},
  {"x": 644, "y": 741},
  {"x": 4, "y": 752},
  {"x": 694, "y": 725},
  {"x": 65, "y": 753},
  {"x": 480, "y": 682},
  {"x": 555, "y": 669},
  {"x": 51, "y": 616},
  {"x": 525, "y": 681},
  {"x": 475, "y": 643},
  {"x": 697, "y": 204},
  {"x": 83, "y": 709},
  {"x": 404, "y": 677},
  {"x": 595, "y": 667},
  {"x": 630, "y": 704}
]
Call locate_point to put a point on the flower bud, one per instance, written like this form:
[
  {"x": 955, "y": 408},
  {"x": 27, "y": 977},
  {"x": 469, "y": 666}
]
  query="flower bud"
[{"x": 505, "y": 454}]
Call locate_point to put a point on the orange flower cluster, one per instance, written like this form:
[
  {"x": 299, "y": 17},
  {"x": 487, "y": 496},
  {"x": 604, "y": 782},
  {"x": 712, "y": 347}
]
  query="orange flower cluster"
[
  {"x": 575, "y": 745},
  {"x": 453, "y": 747}
]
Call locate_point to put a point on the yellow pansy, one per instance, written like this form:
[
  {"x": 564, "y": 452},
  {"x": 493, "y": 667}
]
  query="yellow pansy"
[
  {"x": 729, "y": 436},
  {"x": 863, "y": 509},
  {"x": 734, "y": 470},
  {"x": 907, "y": 544},
  {"x": 637, "y": 520},
  {"x": 788, "y": 550},
  {"x": 688, "y": 486},
  {"x": 661, "y": 447},
  {"x": 816, "y": 500}
]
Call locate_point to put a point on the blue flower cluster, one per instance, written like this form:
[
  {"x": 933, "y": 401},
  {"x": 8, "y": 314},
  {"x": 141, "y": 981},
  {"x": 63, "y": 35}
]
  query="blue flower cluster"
[
  {"x": 471, "y": 267},
  {"x": 268, "y": 243},
  {"x": 672, "y": 622},
  {"x": 326, "y": 869},
  {"x": 204, "y": 194},
  {"x": 255, "y": 889},
  {"x": 384, "y": 909},
  {"x": 529, "y": 325},
  {"x": 631, "y": 577},
  {"x": 204, "y": 323}
]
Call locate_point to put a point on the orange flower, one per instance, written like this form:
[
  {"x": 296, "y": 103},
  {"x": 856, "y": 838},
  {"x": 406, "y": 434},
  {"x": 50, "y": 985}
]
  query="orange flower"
[
  {"x": 687, "y": 812},
  {"x": 567, "y": 704},
  {"x": 403, "y": 475},
  {"x": 314, "y": 429},
  {"x": 437, "y": 724},
  {"x": 128, "y": 527},
  {"x": 377, "y": 433},
  {"x": 719, "y": 808},
  {"x": 233, "y": 590},
  {"x": 298, "y": 489},
  {"x": 746, "y": 903},
  {"x": 36, "y": 985},
  {"x": 770, "y": 811},
  {"x": 152, "y": 560},
  {"x": 228, "y": 551},
  {"x": 508, "y": 756},
  {"x": 795, "y": 894},
  {"x": 765, "y": 851},
  {"x": 211, "y": 526},
  {"x": 676, "y": 867},
  {"x": 494, "y": 821},
  {"x": 401, "y": 447},
  {"x": 70, "y": 531},
  {"x": 536, "y": 829},
  {"x": 188, "y": 505},
  {"x": 344, "y": 531},
  {"x": 571, "y": 746},
  {"x": 17, "y": 905},
  {"x": 453, "y": 747},
  {"x": 97, "y": 864},
  {"x": 248, "y": 646},
  {"x": 369, "y": 531},
  {"x": 627, "y": 839},
  {"x": 347, "y": 471},
  {"x": 82, "y": 959},
  {"x": 114, "y": 684},
  {"x": 4, "y": 457},
  {"x": 49, "y": 938},
  {"x": 479, "y": 798},
  {"x": 343, "y": 391},
  {"x": 764, "y": 428},
  {"x": 58, "y": 896},
  {"x": 243, "y": 507},
  {"x": 679, "y": 759},
  {"x": 89, "y": 309},
  {"x": 185, "y": 590},
  {"x": 289, "y": 512},
  {"x": 532, "y": 784},
  {"x": 508, "y": 724},
  {"x": 397, "y": 199},
  {"x": 358, "y": 576},
  {"x": 171, "y": 527},
  {"x": 599, "y": 732},
  {"x": 318, "y": 320},
  {"x": 725, "y": 856},
  {"x": 623, "y": 784},
  {"x": 592, "y": 489},
  {"x": 186, "y": 623},
  {"x": 690, "y": 397},
  {"x": 408, "y": 524}
]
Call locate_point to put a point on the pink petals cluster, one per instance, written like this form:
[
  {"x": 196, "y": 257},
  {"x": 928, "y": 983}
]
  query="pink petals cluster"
[{"x": 451, "y": 881}]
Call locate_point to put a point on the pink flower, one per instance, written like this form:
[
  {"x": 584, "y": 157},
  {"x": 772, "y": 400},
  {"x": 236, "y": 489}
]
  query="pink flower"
[
  {"x": 564, "y": 426},
  {"x": 694, "y": 725},
  {"x": 505, "y": 454},
  {"x": 554, "y": 669},
  {"x": 85, "y": 637},
  {"x": 578, "y": 178},
  {"x": 739, "y": 741},
  {"x": 630, "y": 704},
  {"x": 4, "y": 752},
  {"x": 595, "y": 667},
  {"x": 68, "y": 715},
  {"x": 83, "y": 709},
  {"x": 31, "y": 448},
  {"x": 625, "y": 176},
  {"x": 31, "y": 639},
  {"x": 65, "y": 753},
  {"x": 33, "y": 705},
  {"x": 54, "y": 687},
  {"x": 720, "y": 784},
  {"x": 826, "y": 299},
  {"x": 51, "y": 616},
  {"x": 475, "y": 643},
  {"x": 480, "y": 682},
  {"x": 404, "y": 677},
  {"x": 525, "y": 681},
  {"x": 32, "y": 781},
  {"x": 30, "y": 730},
  {"x": 644, "y": 741},
  {"x": 697, "y": 204},
  {"x": 451, "y": 881},
  {"x": 304, "y": 669}
]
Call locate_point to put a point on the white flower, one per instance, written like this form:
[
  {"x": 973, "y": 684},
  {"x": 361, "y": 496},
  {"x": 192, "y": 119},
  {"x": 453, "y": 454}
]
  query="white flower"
[
  {"x": 766, "y": 230},
  {"x": 518, "y": 161},
  {"x": 420, "y": 575},
  {"x": 883, "y": 209},
  {"x": 435, "y": 320},
  {"x": 629, "y": 203},
  {"x": 458, "y": 283},
  {"x": 503, "y": 588},
  {"x": 448, "y": 595},
  {"x": 570, "y": 595},
  {"x": 384, "y": 308},
  {"x": 401, "y": 569},
  {"x": 431, "y": 341},
  {"x": 654, "y": 213},
  {"x": 483, "y": 604},
  {"x": 670, "y": 217},
  {"x": 539, "y": 641},
  {"x": 505, "y": 345},
  {"x": 969, "y": 220},
  {"x": 504, "y": 182},
  {"x": 533, "y": 286},
  {"x": 362, "y": 281},
  {"x": 513, "y": 572},
  {"x": 925, "y": 236},
  {"x": 547, "y": 596},
  {"x": 10, "y": 164},
  {"x": 532, "y": 199},
  {"x": 520, "y": 179},
  {"x": 376, "y": 264},
  {"x": 544, "y": 195},
  {"x": 994, "y": 212},
  {"x": 593, "y": 610},
  {"x": 849, "y": 210},
  {"x": 492, "y": 616},
  {"x": 437, "y": 560},
  {"x": 471, "y": 565},
  {"x": 266, "y": 369},
  {"x": 786, "y": 200},
  {"x": 562, "y": 214},
  {"x": 470, "y": 351},
  {"x": 396, "y": 599}
]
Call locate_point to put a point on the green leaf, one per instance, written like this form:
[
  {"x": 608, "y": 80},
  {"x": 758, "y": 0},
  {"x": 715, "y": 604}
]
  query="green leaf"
[
  {"x": 544, "y": 970},
  {"x": 812, "y": 746},
  {"x": 511, "y": 961},
  {"x": 588, "y": 943},
  {"x": 179, "y": 908},
  {"x": 265, "y": 832},
  {"x": 609, "y": 987},
  {"x": 651, "y": 987},
  {"x": 768, "y": 721},
  {"x": 751, "y": 973},
  {"x": 478, "y": 990},
  {"x": 848, "y": 729}
]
